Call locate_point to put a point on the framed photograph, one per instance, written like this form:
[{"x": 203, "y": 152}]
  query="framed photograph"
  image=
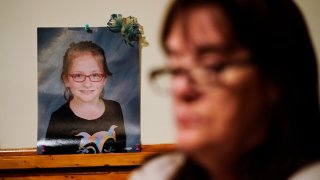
[{"x": 88, "y": 91}]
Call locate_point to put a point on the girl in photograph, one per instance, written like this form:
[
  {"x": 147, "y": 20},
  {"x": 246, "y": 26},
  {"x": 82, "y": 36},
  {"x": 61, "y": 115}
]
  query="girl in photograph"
[{"x": 86, "y": 123}]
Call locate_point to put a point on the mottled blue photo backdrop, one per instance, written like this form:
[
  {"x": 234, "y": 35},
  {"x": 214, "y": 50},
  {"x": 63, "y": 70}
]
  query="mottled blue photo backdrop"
[{"x": 123, "y": 86}]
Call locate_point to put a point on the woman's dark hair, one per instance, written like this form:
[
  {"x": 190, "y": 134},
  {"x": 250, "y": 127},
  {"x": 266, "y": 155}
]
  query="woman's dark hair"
[
  {"x": 77, "y": 49},
  {"x": 276, "y": 33}
]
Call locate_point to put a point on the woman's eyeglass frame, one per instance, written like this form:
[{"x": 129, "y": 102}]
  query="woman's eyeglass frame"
[{"x": 212, "y": 73}]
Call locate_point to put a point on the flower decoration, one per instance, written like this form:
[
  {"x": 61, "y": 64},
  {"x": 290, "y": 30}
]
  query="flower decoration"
[
  {"x": 115, "y": 23},
  {"x": 87, "y": 28},
  {"x": 129, "y": 27}
]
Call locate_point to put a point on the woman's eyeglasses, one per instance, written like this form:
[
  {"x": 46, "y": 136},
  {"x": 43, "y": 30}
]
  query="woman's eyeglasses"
[
  {"x": 95, "y": 77},
  {"x": 200, "y": 75}
]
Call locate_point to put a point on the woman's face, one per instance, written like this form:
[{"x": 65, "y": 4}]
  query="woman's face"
[
  {"x": 87, "y": 91},
  {"x": 219, "y": 97}
]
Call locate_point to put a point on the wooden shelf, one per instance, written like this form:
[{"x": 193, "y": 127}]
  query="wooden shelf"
[{"x": 19, "y": 163}]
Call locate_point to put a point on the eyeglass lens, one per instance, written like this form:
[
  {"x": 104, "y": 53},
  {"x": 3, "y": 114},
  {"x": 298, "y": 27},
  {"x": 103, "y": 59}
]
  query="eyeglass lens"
[{"x": 92, "y": 77}]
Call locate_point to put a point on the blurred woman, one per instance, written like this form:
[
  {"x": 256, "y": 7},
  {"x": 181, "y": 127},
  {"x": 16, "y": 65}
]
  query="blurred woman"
[{"x": 245, "y": 91}]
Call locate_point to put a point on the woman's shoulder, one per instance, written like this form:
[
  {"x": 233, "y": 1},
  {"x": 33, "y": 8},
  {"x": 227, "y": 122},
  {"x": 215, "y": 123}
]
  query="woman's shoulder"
[
  {"x": 159, "y": 168},
  {"x": 310, "y": 172}
]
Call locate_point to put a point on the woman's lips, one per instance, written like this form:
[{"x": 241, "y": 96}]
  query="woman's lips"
[{"x": 189, "y": 119}]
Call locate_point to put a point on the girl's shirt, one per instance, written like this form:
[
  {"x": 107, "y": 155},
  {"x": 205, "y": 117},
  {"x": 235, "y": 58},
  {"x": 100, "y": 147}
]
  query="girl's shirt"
[{"x": 70, "y": 134}]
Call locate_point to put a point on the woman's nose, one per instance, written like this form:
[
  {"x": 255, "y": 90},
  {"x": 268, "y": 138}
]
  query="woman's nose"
[{"x": 183, "y": 89}]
